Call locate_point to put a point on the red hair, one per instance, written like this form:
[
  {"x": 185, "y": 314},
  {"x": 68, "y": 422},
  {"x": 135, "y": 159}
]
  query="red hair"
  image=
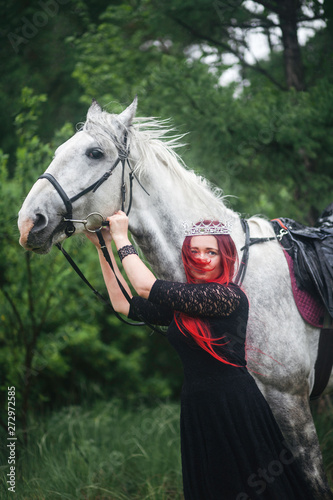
[{"x": 197, "y": 327}]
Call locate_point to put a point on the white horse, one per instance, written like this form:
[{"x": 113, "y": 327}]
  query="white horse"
[{"x": 282, "y": 347}]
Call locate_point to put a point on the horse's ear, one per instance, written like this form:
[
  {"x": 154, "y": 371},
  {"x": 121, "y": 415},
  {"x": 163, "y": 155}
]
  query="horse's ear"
[
  {"x": 94, "y": 108},
  {"x": 127, "y": 116}
]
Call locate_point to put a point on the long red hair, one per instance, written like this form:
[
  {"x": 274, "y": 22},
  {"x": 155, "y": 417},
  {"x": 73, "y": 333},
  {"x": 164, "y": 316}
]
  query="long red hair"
[{"x": 197, "y": 327}]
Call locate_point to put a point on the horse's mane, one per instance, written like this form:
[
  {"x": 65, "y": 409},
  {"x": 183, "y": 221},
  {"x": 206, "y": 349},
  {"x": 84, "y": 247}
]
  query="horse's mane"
[{"x": 153, "y": 139}]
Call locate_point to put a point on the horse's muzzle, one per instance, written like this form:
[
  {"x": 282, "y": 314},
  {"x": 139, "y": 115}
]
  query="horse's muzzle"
[{"x": 35, "y": 233}]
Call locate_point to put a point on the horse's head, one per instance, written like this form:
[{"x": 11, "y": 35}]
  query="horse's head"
[{"x": 78, "y": 163}]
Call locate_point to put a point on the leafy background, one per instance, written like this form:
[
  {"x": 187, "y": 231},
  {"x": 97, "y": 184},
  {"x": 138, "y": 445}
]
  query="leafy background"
[{"x": 265, "y": 139}]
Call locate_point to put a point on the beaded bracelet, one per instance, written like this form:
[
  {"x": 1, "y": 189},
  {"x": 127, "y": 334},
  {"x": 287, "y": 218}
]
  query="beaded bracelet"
[{"x": 126, "y": 250}]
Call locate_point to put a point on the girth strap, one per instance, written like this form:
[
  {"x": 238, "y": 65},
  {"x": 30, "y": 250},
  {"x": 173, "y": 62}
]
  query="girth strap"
[
  {"x": 245, "y": 257},
  {"x": 324, "y": 362}
]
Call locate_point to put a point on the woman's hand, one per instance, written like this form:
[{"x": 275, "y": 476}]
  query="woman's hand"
[
  {"x": 117, "y": 231},
  {"x": 119, "y": 228},
  {"x": 92, "y": 236}
]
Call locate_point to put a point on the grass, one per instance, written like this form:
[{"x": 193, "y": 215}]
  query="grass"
[
  {"x": 103, "y": 453},
  {"x": 108, "y": 452}
]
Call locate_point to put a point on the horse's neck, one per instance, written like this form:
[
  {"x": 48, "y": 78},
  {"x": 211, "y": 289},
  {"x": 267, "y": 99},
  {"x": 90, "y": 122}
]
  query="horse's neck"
[
  {"x": 155, "y": 224},
  {"x": 156, "y": 220}
]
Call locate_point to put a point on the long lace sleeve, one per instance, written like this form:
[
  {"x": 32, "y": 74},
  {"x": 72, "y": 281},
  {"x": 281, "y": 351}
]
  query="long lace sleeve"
[
  {"x": 202, "y": 299},
  {"x": 143, "y": 310}
]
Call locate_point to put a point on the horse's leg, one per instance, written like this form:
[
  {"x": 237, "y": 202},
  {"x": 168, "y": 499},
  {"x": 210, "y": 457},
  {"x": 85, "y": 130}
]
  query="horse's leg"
[
  {"x": 293, "y": 415},
  {"x": 276, "y": 329}
]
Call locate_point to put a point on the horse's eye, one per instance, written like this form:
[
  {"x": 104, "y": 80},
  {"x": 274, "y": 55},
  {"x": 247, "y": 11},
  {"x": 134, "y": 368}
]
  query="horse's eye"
[{"x": 95, "y": 154}]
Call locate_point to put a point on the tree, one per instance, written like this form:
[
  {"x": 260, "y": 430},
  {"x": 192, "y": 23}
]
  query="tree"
[
  {"x": 269, "y": 147},
  {"x": 32, "y": 54},
  {"x": 224, "y": 27}
]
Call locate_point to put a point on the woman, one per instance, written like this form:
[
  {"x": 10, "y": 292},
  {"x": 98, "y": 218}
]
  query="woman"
[{"x": 232, "y": 448}]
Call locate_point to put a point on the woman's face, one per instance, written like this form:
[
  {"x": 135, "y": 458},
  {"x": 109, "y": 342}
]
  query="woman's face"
[{"x": 205, "y": 250}]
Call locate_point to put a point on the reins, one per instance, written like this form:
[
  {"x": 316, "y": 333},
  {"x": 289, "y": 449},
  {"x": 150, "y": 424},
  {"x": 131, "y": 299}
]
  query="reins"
[
  {"x": 124, "y": 291},
  {"x": 246, "y": 249},
  {"x": 97, "y": 294}
]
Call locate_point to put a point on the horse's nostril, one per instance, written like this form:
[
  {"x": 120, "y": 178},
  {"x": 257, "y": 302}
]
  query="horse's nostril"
[{"x": 40, "y": 223}]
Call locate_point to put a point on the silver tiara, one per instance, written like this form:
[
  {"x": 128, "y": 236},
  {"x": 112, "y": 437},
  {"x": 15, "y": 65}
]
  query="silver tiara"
[{"x": 201, "y": 228}]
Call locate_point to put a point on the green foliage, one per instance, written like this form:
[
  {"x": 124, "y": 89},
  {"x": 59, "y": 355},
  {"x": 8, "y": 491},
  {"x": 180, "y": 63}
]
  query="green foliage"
[
  {"x": 285, "y": 153},
  {"x": 271, "y": 150},
  {"x": 32, "y": 54},
  {"x": 28, "y": 289}
]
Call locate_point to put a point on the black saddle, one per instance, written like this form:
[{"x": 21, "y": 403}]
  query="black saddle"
[{"x": 311, "y": 249}]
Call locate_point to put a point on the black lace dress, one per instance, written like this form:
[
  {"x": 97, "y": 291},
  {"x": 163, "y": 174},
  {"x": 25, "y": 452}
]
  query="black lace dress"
[{"x": 231, "y": 445}]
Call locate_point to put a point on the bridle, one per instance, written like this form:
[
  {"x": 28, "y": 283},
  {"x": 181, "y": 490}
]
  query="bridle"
[
  {"x": 70, "y": 228},
  {"x": 68, "y": 202}
]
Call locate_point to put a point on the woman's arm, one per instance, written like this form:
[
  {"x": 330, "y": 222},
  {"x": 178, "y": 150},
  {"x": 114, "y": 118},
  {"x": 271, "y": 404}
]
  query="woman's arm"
[
  {"x": 137, "y": 272},
  {"x": 198, "y": 299},
  {"x": 117, "y": 298}
]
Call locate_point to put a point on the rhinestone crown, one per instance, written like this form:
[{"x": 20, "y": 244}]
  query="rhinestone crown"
[{"x": 207, "y": 227}]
